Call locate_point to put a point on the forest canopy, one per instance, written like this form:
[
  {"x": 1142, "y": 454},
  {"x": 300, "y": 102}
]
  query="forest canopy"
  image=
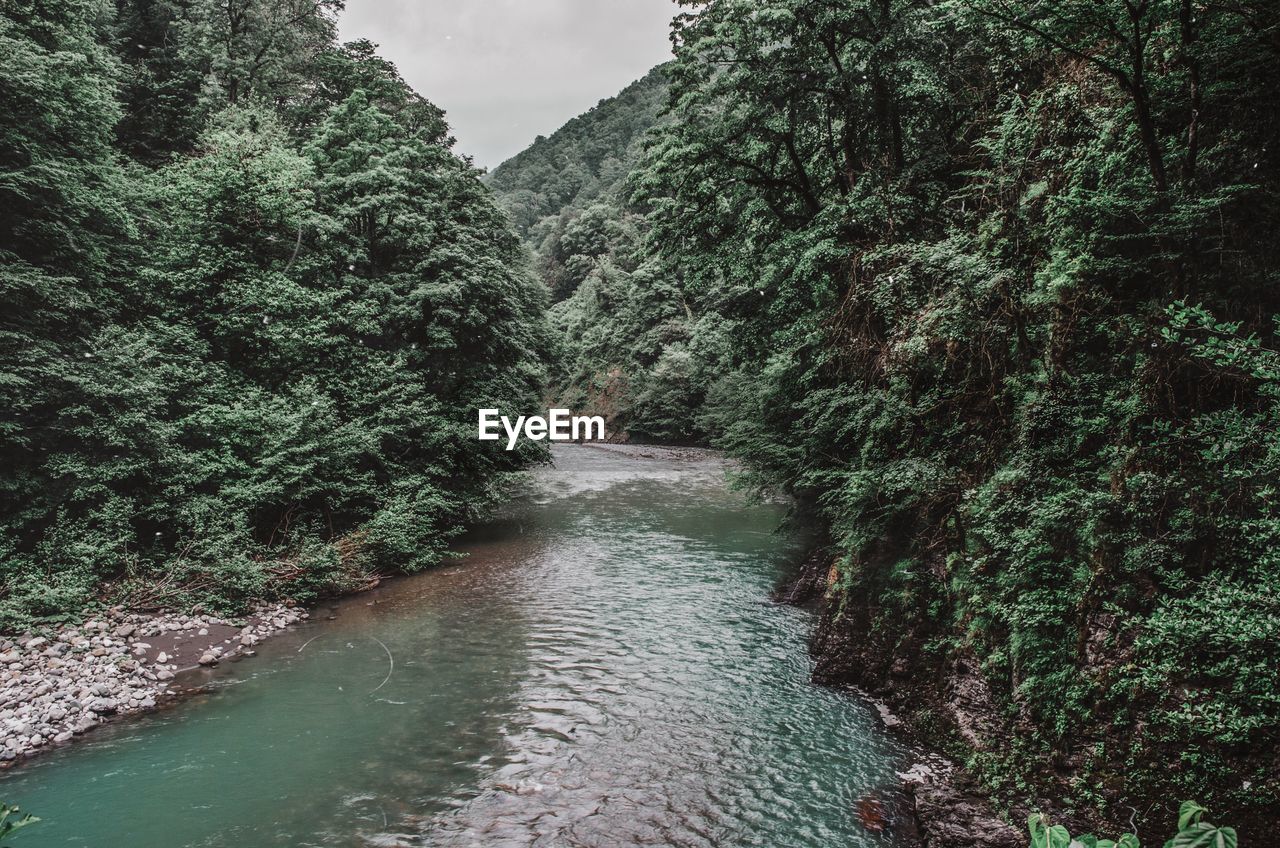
[{"x": 251, "y": 299}]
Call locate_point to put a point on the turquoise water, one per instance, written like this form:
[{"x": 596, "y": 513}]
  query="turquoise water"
[{"x": 603, "y": 669}]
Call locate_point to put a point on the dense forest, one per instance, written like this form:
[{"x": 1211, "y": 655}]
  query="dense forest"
[
  {"x": 623, "y": 323},
  {"x": 620, "y": 326},
  {"x": 584, "y": 163},
  {"x": 250, "y": 302},
  {"x": 989, "y": 287}
]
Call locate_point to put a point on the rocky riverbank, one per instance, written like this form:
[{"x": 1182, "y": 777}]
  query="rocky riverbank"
[
  {"x": 948, "y": 709},
  {"x": 948, "y": 815},
  {"x": 58, "y": 685},
  {"x": 940, "y": 802},
  {"x": 938, "y": 805}
]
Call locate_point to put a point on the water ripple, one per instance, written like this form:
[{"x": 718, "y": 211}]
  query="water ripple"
[{"x": 604, "y": 670}]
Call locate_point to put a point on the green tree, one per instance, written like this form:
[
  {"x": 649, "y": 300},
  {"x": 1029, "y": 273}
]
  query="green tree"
[
  {"x": 248, "y": 361},
  {"x": 987, "y": 288}
]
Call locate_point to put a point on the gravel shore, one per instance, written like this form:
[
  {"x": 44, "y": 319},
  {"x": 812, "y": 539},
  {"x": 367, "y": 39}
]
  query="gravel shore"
[{"x": 58, "y": 685}]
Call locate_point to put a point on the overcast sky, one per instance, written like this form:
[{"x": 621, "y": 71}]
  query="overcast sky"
[{"x": 508, "y": 70}]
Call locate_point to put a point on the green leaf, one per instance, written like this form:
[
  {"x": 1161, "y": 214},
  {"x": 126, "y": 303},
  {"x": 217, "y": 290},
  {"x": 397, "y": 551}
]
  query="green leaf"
[
  {"x": 1189, "y": 813},
  {"x": 6, "y": 826},
  {"x": 1045, "y": 836},
  {"x": 1205, "y": 835},
  {"x": 1036, "y": 826}
]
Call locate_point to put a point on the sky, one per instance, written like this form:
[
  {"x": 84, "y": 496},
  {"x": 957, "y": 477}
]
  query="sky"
[{"x": 506, "y": 71}]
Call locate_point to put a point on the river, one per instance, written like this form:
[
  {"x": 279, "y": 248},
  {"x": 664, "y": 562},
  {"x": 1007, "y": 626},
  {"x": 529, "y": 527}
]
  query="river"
[{"x": 603, "y": 668}]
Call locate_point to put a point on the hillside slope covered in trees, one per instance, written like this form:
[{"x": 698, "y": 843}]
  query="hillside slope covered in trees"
[
  {"x": 990, "y": 288},
  {"x": 584, "y": 162},
  {"x": 623, "y": 324},
  {"x": 250, "y": 302}
]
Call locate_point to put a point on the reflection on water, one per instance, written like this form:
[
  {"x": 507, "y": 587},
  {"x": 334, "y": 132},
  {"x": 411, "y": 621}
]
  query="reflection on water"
[{"x": 602, "y": 670}]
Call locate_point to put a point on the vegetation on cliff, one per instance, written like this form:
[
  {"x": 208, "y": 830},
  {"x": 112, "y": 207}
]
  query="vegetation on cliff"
[
  {"x": 250, "y": 302},
  {"x": 990, "y": 288}
]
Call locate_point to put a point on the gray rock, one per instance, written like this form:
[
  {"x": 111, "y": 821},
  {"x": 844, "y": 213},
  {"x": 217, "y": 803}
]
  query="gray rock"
[
  {"x": 103, "y": 705},
  {"x": 951, "y": 818}
]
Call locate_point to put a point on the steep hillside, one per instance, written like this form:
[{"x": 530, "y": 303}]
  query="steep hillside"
[
  {"x": 583, "y": 162},
  {"x": 621, "y": 326}
]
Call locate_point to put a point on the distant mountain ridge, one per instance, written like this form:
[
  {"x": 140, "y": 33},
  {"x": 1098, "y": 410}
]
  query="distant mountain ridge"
[{"x": 584, "y": 161}]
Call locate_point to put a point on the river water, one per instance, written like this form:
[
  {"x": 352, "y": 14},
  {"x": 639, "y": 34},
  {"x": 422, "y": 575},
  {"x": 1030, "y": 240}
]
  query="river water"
[{"x": 603, "y": 669}]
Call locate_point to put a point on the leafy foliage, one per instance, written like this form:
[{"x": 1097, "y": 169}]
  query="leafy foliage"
[
  {"x": 245, "y": 363},
  {"x": 13, "y": 819},
  {"x": 1192, "y": 833},
  {"x": 989, "y": 288},
  {"x": 1046, "y": 835},
  {"x": 546, "y": 186},
  {"x": 632, "y": 345}
]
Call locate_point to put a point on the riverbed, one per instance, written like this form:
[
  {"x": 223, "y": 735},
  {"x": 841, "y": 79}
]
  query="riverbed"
[{"x": 602, "y": 667}]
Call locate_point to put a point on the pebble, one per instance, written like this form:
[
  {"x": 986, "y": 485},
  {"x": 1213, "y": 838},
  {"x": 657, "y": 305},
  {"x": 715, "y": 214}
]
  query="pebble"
[{"x": 64, "y": 682}]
